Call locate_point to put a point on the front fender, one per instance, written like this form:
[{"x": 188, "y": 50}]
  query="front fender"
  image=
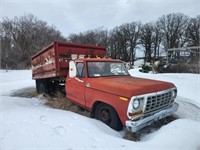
[{"x": 119, "y": 103}]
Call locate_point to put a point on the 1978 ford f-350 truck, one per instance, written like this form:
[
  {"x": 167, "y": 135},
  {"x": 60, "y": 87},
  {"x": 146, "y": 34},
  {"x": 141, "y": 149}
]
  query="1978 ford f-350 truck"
[{"x": 103, "y": 86}]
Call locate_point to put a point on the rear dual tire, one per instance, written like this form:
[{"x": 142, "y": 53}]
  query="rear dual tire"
[
  {"x": 41, "y": 86},
  {"x": 46, "y": 86}
]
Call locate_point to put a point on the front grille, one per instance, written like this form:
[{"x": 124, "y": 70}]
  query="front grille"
[{"x": 158, "y": 101}]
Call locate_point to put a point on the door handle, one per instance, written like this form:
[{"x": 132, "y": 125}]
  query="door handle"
[{"x": 79, "y": 80}]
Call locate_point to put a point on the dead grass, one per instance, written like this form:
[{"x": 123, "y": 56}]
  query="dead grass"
[
  {"x": 59, "y": 101},
  {"x": 132, "y": 136},
  {"x": 33, "y": 94}
]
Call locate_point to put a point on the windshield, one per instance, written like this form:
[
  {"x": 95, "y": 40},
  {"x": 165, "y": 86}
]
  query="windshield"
[{"x": 104, "y": 69}]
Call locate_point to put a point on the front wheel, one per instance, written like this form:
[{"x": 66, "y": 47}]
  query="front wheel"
[{"x": 108, "y": 115}]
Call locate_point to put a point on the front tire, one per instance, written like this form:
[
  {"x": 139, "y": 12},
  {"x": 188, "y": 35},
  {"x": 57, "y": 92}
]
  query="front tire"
[{"x": 108, "y": 115}]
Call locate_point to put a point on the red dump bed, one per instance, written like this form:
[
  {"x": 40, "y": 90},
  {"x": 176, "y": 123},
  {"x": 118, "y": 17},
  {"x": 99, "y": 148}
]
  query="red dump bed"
[{"x": 53, "y": 61}]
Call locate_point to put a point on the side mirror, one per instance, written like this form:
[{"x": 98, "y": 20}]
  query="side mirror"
[{"x": 72, "y": 69}]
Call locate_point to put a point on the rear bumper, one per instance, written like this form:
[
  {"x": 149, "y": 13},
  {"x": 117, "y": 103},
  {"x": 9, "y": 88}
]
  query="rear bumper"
[{"x": 134, "y": 126}]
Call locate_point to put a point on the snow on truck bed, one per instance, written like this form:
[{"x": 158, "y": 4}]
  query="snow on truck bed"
[{"x": 26, "y": 123}]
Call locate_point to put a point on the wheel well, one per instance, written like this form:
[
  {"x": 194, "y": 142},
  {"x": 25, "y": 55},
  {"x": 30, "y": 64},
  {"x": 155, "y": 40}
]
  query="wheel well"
[{"x": 95, "y": 106}]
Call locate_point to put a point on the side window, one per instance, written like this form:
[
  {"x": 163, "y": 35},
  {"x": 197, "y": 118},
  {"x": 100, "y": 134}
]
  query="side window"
[{"x": 80, "y": 70}]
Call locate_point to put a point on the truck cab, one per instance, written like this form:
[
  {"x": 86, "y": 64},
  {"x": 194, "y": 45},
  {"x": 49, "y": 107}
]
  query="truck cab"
[{"x": 105, "y": 87}]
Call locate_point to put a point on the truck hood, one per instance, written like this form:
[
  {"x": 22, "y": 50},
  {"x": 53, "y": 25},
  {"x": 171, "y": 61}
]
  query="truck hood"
[{"x": 128, "y": 86}]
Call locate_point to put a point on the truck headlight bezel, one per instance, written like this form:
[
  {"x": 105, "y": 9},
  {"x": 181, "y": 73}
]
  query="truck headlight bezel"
[
  {"x": 136, "y": 103},
  {"x": 136, "y": 106}
]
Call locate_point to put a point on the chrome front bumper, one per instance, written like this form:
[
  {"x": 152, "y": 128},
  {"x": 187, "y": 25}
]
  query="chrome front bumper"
[{"x": 134, "y": 126}]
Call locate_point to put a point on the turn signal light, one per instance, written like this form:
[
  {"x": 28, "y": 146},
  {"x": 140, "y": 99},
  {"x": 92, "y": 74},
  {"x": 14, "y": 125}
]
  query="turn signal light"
[{"x": 135, "y": 113}]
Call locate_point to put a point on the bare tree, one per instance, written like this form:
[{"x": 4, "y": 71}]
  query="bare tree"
[
  {"x": 146, "y": 39},
  {"x": 123, "y": 41},
  {"x": 193, "y": 32},
  {"x": 96, "y": 37},
  {"x": 114, "y": 44},
  {"x": 157, "y": 39},
  {"x": 173, "y": 27},
  {"x": 150, "y": 39},
  {"x": 132, "y": 32},
  {"x": 21, "y": 37}
]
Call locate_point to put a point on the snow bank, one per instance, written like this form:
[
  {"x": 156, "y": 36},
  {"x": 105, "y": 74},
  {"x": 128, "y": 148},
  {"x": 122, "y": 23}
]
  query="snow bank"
[
  {"x": 182, "y": 134},
  {"x": 28, "y": 124}
]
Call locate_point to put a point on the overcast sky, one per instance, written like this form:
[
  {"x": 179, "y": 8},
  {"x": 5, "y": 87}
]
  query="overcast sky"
[{"x": 74, "y": 16}]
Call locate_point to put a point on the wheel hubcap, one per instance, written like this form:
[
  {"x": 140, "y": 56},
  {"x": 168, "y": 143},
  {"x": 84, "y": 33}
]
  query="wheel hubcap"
[{"x": 105, "y": 116}]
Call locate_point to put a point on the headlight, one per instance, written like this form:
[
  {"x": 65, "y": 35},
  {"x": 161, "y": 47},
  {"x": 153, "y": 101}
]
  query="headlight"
[
  {"x": 174, "y": 93},
  {"x": 136, "y": 104}
]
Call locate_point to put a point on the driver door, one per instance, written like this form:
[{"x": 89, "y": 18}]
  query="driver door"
[{"x": 75, "y": 87}]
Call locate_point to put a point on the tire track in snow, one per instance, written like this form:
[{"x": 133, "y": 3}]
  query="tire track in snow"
[{"x": 187, "y": 109}]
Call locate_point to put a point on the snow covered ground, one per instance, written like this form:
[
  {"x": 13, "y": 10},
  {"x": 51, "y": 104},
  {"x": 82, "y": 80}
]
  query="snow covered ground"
[{"x": 26, "y": 123}]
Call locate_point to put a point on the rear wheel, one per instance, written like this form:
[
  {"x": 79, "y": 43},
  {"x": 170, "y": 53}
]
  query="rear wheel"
[
  {"x": 108, "y": 115},
  {"x": 47, "y": 86},
  {"x": 41, "y": 86}
]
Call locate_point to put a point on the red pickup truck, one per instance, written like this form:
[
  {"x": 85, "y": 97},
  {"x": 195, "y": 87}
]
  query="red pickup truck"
[{"x": 104, "y": 86}]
